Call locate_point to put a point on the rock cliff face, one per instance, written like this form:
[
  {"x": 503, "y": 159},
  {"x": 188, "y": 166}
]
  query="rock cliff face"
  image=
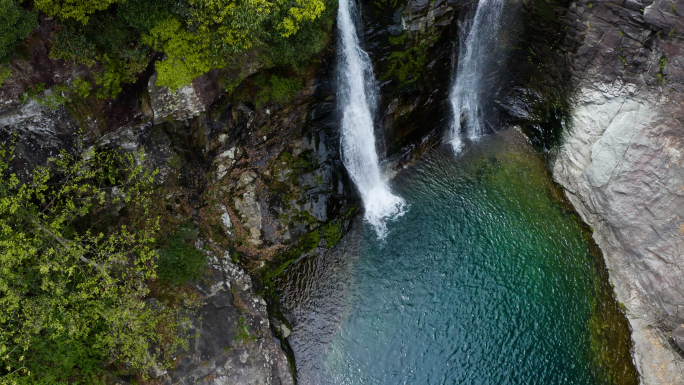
[
  {"x": 620, "y": 164},
  {"x": 259, "y": 179},
  {"x": 230, "y": 340}
]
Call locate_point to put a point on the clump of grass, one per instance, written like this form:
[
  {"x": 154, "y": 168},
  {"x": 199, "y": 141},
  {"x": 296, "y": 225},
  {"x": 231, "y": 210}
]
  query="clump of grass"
[{"x": 180, "y": 262}]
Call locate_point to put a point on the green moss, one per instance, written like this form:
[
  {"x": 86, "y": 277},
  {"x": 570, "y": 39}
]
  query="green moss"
[
  {"x": 332, "y": 233},
  {"x": 59, "y": 95},
  {"x": 175, "y": 161},
  {"x": 243, "y": 334},
  {"x": 306, "y": 243},
  {"x": 407, "y": 65}
]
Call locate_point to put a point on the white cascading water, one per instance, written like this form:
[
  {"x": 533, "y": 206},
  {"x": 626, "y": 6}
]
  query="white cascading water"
[
  {"x": 357, "y": 93},
  {"x": 475, "y": 52}
]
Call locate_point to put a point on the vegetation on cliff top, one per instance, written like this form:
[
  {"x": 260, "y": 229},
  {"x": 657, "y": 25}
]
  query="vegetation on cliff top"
[
  {"x": 77, "y": 258},
  {"x": 118, "y": 38}
]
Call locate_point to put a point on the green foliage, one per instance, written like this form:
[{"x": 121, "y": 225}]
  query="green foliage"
[
  {"x": 79, "y": 10},
  {"x": 113, "y": 38},
  {"x": 81, "y": 88},
  {"x": 120, "y": 63},
  {"x": 297, "y": 50},
  {"x": 186, "y": 55},
  {"x": 227, "y": 26},
  {"x": 59, "y": 95},
  {"x": 72, "y": 287},
  {"x": 332, "y": 233},
  {"x": 277, "y": 89},
  {"x": 195, "y": 36},
  {"x": 5, "y": 73},
  {"x": 16, "y": 24},
  {"x": 243, "y": 334},
  {"x": 304, "y": 10},
  {"x": 180, "y": 262}
]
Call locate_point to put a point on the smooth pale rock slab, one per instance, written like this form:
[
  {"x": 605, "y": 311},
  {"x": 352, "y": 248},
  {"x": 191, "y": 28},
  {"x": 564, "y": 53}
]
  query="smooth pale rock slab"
[{"x": 621, "y": 168}]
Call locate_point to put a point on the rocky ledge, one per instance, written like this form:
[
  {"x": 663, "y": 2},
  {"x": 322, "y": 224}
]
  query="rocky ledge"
[{"x": 230, "y": 341}]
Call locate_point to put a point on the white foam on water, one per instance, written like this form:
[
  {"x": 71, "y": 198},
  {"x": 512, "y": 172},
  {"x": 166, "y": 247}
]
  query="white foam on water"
[{"x": 357, "y": 95}]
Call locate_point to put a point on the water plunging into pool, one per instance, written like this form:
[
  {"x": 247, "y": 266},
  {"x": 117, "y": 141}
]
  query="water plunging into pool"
[
  {"x": 356, "y": 96},
  {"x": 490, "y": 278},
  {"x": 474, "y": 56}
]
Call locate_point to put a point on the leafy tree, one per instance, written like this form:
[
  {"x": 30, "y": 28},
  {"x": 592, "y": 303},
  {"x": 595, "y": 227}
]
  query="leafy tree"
[
  {"x": 16, "y": 23},
  {"x": 298, "y": 13},
  {"x": 73, "y": 274},
  {"x": 186, "y": 55},
  {"x": 195, "y": 36},
  {"x": 228, "y": 26},
  {"x": 79, "y": 10}
]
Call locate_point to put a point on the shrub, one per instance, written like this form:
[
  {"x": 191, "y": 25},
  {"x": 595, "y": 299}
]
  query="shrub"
[
  {"x": 5, "y": 73},
  {"x": 277, "y": 89},
  {"x": 69, "y": 9},
  {"x": 180, "y": 262},
  {"x": 74, "y": 292},
  {"x": 16, "y": 24}
]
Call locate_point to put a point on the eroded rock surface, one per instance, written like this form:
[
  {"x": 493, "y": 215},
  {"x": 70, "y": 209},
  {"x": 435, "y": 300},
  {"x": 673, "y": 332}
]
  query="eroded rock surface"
[{"x": 230, "y": 338}]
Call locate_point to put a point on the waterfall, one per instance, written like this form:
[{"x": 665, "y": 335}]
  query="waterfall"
[
  {"x": 357, "y": 96},
  {"x": 475, "y": 52}
]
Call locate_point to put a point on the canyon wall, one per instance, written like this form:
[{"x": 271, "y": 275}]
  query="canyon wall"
[{"x": 620, "y": 164}]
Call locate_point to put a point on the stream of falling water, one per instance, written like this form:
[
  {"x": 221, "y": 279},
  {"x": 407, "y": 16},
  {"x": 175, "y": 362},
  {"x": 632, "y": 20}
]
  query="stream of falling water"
[
  {"x": 475, "y": 53},
  {"x": 357, "y": 93}
]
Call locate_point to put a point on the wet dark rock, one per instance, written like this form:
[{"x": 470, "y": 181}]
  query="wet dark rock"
[
  {"x": 665, "y": 15},
  {"x": 411, "y": 50},
  {"x": 230, "y": 341}
]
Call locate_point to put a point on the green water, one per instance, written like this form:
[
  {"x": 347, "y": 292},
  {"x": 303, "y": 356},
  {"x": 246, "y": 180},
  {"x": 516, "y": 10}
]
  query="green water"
[{"x": 489, "y": 278}]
